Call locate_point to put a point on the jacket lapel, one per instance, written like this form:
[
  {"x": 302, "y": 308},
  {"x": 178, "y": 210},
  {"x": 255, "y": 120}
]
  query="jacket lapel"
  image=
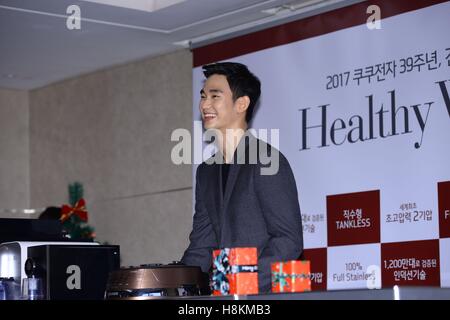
[
  {"x": 213, "y": 198},
  {"x": 232, "y": 177},
  {"x": 238, "y": 159}
]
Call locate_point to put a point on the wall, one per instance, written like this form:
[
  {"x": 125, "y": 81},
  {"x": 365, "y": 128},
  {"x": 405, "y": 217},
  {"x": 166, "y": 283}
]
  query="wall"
[
  {"x": 110, "y": 130},
  {"x": 14, "y": 153}
]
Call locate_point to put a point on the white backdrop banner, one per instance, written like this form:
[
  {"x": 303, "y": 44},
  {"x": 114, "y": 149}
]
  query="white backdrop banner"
[{"x": 364, "y": 120}]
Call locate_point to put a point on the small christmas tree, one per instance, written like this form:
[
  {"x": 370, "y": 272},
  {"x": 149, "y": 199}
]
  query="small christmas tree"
[{"x": 74, "y": 218}]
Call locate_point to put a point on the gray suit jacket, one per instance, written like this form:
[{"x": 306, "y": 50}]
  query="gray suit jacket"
[{"x": 255, "y": 211}]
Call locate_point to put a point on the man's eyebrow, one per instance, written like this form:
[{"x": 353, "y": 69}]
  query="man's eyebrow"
[{"x": 211, "y": 91}]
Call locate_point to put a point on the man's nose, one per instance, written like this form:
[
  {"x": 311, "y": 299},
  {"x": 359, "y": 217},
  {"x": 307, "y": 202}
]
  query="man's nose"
[{"x": 205, "y": 104}]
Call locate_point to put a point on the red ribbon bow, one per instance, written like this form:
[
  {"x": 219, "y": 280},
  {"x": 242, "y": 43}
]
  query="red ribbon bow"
[{"x": 79, "y": 210}]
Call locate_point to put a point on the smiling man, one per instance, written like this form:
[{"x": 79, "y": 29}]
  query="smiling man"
[{"x": 236, "y": 205}]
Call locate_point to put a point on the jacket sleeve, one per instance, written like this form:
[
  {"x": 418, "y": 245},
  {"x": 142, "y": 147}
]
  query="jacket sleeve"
[
  {"x": 202, "y": 237},
  {"x": 278, "y": 197}
]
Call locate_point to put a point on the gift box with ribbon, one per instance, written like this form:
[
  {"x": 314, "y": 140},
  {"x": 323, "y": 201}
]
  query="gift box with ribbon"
[
  {"x": 291, "y": 276},
  {"x": 235, "y": 271}
]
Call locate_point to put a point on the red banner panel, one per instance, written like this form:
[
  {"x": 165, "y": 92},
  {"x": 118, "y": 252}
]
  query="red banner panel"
[
  {"x": 414, "y": 263},
  {"x": 302, "y": 29},
  {"x": 353, "y": 218},
  {"x": 444, "y": 209},
  {"x": 318, "y": 262}
]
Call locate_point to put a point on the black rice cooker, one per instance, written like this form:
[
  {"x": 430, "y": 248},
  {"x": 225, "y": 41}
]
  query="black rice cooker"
[{"x": 152, "y": 281}]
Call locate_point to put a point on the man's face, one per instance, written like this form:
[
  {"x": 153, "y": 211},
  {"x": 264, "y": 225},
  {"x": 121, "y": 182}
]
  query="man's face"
[{"x": 216, "y": 104}]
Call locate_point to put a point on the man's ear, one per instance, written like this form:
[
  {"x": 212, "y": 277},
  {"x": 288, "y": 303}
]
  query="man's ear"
[{"x": 242, "y": 104}]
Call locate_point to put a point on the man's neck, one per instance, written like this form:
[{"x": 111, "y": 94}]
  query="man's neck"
[{"x": 228, "y": 142}]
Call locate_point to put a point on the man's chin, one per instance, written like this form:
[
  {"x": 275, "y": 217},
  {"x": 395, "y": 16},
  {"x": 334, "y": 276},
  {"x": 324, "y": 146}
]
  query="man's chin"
[{"x": 208, "y": 126}]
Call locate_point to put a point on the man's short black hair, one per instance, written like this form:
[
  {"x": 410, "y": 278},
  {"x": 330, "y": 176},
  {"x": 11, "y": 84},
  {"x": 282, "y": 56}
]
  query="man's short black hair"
[{"x": 241, "y": 81}]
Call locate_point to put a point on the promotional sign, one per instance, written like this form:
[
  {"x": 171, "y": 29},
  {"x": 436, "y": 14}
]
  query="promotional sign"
[{"x": 363, "y": 117}]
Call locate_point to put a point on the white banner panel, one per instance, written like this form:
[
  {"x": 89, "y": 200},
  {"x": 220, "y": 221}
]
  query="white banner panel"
[
  {"x": 445, "y": 262},
  {"x": 364, "y": 120},
  {"x": 355, "y": 266}
]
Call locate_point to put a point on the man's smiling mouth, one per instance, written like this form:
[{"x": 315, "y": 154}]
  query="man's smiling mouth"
[{"x": 209, "y": 116}]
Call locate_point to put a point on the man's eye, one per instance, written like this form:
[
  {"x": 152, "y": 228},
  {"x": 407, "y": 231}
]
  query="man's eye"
[
  {"x": 215, "y": 96},
  {"x": 202, "y": 97}
]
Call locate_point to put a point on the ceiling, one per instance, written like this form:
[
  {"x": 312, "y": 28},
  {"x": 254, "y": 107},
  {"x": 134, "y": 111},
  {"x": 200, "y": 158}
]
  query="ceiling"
[{"x": 37, "y": 48}]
